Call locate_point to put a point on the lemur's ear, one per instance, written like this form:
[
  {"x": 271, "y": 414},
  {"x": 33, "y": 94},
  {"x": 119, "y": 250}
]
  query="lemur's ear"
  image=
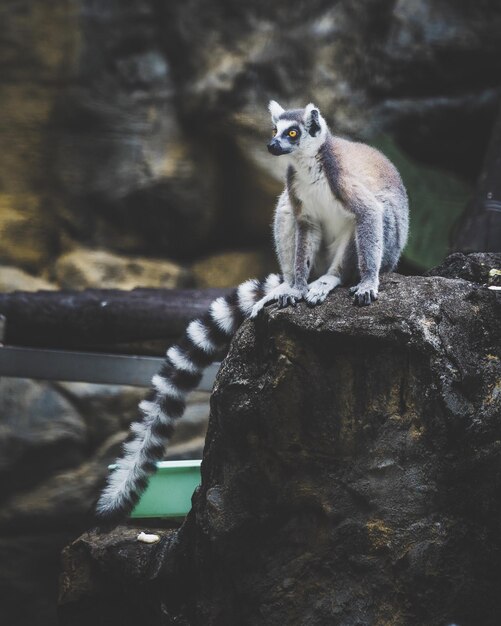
[
  {"x": 276, "y": 110},
  {"x": 312, "y": 119}
]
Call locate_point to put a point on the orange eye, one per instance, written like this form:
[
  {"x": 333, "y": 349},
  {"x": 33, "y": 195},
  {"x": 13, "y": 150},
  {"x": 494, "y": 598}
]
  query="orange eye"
[
  {"x": 293, "y": 133},
  {"x": 274, "y": 132}
]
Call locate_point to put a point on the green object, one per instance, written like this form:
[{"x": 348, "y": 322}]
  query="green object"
[
  {"x": 169, "y": 490},
  {"x": 437, "y": 199}
]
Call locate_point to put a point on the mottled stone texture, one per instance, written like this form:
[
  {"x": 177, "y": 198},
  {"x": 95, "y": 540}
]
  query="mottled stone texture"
[{"x": 350, "y": 477}]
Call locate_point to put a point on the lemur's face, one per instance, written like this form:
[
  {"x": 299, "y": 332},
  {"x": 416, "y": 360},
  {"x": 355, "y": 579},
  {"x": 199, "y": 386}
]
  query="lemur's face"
[{"x": 293, "y": 130}]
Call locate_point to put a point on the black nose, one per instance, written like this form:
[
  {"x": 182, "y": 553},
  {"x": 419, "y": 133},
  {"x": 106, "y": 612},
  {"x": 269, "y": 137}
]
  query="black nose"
[{"x": 274, "y": 147}]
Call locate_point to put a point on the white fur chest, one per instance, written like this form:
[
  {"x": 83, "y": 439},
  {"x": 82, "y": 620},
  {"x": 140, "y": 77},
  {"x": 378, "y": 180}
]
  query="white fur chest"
[{"x": 319, "y": 205}]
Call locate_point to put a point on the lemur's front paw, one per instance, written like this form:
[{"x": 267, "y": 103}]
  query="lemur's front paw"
[
  {"x": 364, "y": 293},
  {"x": 279, "y": 294},
  {"x": 319, "y": 289}
]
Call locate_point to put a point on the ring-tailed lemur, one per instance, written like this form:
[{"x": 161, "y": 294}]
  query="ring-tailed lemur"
[{"x": 343, "y": 215}]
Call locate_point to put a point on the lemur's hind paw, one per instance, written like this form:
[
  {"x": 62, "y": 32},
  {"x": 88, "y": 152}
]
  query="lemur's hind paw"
[
  {"x": 284, "y": 295},
  {"x": 291, "y": 296},
  {"x": 364, "y": 293},
  {"x": 320, "y": 289}
]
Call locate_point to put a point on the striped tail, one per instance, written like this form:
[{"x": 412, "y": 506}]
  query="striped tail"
[{"x": 204, "y": 341}]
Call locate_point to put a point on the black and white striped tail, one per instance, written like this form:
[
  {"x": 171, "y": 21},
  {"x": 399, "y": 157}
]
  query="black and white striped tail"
[{"x": 202, "y": 343}]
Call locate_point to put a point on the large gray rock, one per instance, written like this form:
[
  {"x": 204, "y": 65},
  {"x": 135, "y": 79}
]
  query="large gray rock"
[
  {"x": 350, "y": 473},
  {"x": 40, "y": 432}
]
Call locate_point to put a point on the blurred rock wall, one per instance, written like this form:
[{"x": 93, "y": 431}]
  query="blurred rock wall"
[
  {"x": 56, "y": 440},
  {"x": 139, "y": 127}
]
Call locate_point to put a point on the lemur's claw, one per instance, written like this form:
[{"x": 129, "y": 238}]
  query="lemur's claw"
[
  {"x": 284, "y": 301},
  {"x": 290, "y": 297},
  {"x": 364, "y": 294}
]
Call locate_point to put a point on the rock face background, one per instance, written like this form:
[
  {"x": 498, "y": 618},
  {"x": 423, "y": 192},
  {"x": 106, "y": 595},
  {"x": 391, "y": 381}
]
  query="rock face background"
[
  {"x": 56, "y": 441},
  {"x": 133, "y": 155},
  {"x": 350, "y": 475},
  {"x": 141, "y": 128}
]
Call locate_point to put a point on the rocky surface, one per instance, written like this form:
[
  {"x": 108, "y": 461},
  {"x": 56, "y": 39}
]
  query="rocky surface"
[
  {"x": 106, "y": 565},
  {"x": 477, "y": 267},
  {"x": 350, "y": 474}
]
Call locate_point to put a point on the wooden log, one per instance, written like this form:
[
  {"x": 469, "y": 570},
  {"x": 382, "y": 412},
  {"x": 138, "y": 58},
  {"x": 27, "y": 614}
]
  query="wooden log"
[
  {"x": 480, "y": 226},
  {"x": 94, "y": 318}
]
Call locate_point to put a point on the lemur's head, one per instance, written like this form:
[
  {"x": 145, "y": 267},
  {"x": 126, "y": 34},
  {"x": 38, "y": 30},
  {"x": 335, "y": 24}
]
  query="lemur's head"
[{"x": 296, "y": 130}]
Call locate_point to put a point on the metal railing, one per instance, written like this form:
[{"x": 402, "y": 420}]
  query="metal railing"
[{"x": 92, "y": 367}]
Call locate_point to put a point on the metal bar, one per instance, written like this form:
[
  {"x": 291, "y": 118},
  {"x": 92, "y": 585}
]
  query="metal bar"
[{"x": 117, "y": 369}]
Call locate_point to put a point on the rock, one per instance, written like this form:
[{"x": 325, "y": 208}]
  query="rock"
[
  {"x": 84, "y": 268},
  {"x": 40, "y": 432},
  {"x": 365, "y": 86},
  {"x": 228, "y": 269},
  {"x": 64, "y": 500},
  {"x": 109, "y": 409},
  {"x": 26, "y": 237},
  {"x": 371, "y": 437},
  {"x": 349, "y": 476},
  {"x": 14, "y": 279},
  {"x": 189, "y": 437},
  {"x": 147, "y": 125},
  {"x": 49, "y": 489},
  {"x": 391, "y": 71},
  {"x": 55, "y": 498},
  {"x": 38, "y": 46},
  {"x": 100, "y": 560},
  {"x": 129, "y": 174},
  {"x": 475, "y": 267},
  {"x": 191, "y": 449},
  {"x": 91, "y": 122},
  {"x": 30, "y": 564}
]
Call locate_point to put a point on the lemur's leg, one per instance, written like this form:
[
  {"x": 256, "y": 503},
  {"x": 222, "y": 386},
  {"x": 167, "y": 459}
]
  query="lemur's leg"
[
  {"x": 308, "y": 238},
  {"x": 284, "y": 234},
  {"x": 336, "y": 273},
  {"x": 369, "y": 241},
  {"x": 296, "y": 247}
]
